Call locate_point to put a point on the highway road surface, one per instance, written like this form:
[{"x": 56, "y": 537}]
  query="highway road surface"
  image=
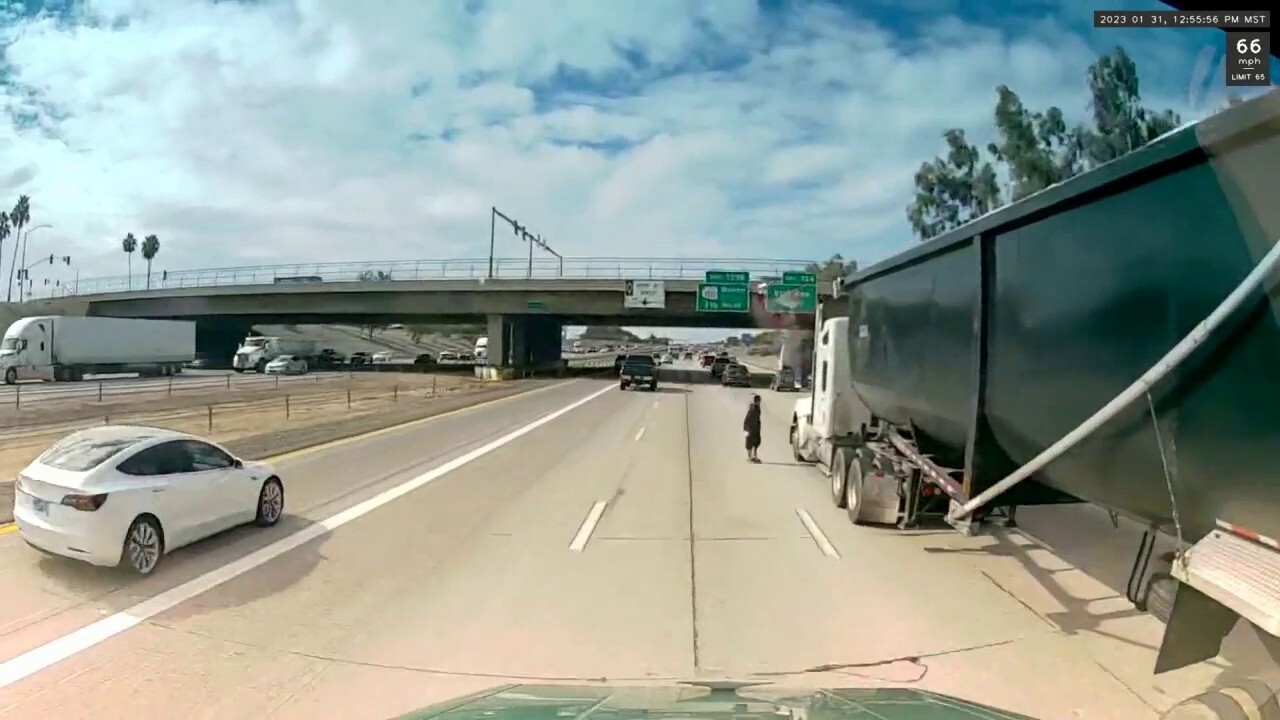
[{"x": 575, "y": 533}]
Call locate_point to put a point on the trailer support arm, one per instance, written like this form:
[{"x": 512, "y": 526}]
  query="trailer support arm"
[{"x": 1194, "y": 339}]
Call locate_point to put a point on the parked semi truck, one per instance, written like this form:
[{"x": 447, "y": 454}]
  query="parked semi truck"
[
  {"x": 1112, "y": 340},
  {"x": 258, "y": 350},
  {"x": 66, "y": 348}
]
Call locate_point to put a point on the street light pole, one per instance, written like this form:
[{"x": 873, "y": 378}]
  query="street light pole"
[
  {"x": 25, "y": 235},
  {"x": 493, "y": 225}
]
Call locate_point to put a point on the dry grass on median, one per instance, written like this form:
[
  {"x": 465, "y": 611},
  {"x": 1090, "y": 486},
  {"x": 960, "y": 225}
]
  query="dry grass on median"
[
  {"x": 227, "y": 421},
  {"x": 48, "y": 412}
]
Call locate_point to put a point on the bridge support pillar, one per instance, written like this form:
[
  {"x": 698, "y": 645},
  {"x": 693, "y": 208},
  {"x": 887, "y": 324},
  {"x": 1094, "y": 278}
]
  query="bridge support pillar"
[
  {"x": 218, "y": 338},
  {"x": 521, "y": 344}
]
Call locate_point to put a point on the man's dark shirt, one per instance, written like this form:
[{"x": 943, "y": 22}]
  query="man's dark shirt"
[{"x": 751, "y": 424}]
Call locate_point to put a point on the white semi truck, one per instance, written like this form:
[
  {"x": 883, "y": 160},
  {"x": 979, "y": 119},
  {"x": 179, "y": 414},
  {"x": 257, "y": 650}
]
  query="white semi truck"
[
  {"x": 258, "y": 350},
  {"x": 66, "y": 348}
]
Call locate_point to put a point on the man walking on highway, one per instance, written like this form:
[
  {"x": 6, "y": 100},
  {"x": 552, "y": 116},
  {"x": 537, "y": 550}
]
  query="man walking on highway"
[{"x": 751, "y": 426}]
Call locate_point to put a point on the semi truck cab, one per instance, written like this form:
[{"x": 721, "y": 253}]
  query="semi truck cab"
[
  {"x": 251, "y": 355},
  {"x": 831, "y": 428},
  {"x": 26, "y": 352}
]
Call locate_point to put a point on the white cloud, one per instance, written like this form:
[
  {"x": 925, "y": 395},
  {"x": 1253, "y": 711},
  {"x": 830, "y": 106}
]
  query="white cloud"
[{"x": 326, "y": 130}]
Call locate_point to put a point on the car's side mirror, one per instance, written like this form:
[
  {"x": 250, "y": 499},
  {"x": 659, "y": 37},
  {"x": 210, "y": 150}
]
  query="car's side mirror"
[{"x": 237, "y": 463}]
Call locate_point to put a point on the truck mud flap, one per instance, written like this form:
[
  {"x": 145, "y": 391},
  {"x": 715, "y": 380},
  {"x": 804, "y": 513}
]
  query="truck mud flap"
[{"x": 1224, "y": 577}]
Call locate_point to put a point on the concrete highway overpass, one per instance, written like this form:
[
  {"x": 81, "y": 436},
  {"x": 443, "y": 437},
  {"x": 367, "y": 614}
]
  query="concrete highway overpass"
[{"x": 524, "y": 314}]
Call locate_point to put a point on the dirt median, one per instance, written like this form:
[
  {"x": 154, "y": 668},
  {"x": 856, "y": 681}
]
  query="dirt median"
[
  {"x": 255, "y": 429},
  {"x": 15, "y": 420}
]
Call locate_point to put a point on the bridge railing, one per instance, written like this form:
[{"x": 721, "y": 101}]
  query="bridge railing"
[{"x": 459, "y": 269}]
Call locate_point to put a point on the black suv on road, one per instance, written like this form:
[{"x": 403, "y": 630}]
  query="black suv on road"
[
  {"x": 638, "y": 370},
  {"x": 718, "y": 365}
]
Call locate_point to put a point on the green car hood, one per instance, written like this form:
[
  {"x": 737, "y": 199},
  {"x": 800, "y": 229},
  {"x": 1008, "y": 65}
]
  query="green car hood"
[{"x": 706, "y": 701}]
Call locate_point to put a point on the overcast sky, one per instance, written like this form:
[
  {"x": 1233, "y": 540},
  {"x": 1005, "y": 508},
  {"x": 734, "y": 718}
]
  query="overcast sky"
[{"x": 246, "y": 133}]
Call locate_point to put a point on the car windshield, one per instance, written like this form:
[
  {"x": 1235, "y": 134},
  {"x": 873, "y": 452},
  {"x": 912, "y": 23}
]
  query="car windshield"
[{"x": 836, "y": 344}]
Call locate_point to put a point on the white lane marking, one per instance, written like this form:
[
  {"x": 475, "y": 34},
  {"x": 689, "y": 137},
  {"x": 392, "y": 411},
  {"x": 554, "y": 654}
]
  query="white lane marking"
[
  {"x": 588, "y": 526},
  {"x": 815, "y": 532},
  {"x": 639, "y": 434},
  {"x": 55, "y": 651},
  {"x": 655, "y": 403}
]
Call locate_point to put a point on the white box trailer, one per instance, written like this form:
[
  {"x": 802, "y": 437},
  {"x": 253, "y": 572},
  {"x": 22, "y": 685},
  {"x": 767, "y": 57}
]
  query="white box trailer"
[{"x": 63, "y": 347}]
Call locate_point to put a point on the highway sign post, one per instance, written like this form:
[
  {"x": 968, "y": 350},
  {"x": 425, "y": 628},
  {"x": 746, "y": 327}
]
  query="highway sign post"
[
  {"x": 650, "y": 294},
  {"x": 788, "y": 298},
  {"x": 723, "y": 297}
]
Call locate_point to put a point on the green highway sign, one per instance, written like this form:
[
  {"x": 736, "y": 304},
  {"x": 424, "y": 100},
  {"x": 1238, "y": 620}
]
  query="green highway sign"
[
  {"x": 799, "y": 278},
  {"x": 723, "y": 297},
  {"x": 728, "y": 277},
  {"x": 790, "y": 298}
]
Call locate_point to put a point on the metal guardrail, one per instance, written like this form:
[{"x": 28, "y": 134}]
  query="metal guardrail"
[
  {"x": 35, "y": 396},
  {"x": 29, "y": 396},
  {"x": 460, "y": 269}
]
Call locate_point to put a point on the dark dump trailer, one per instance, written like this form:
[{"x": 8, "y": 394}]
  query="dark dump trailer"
[{"x": 1113, "y": 340}]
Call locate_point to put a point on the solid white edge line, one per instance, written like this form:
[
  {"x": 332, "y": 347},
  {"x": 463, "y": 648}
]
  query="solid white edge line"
[
  {"x": 588, "y": 526},
  {"x": 816, "y": 533},
  {"x": 55, "y": 651},
  {"x": 640, "y": 434}
]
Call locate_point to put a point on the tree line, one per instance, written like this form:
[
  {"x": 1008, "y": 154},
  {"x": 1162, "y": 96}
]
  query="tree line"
[
  {"x": 150, "y": 248},
  {"x": 1036, "y": 149},
  {"x": 12, "y": 223}
]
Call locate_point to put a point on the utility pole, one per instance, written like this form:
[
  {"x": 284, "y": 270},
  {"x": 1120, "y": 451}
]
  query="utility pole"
[{"x": 521, "y": 232}]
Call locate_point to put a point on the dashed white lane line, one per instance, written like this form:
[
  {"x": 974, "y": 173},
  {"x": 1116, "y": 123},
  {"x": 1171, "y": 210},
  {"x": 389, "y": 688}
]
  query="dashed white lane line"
[
  {"x": 639, "y": 434},
  {"x": 55, "y": 651},
  {"x": 815, "y": 532},
  {"x": 588, "y": 526}
]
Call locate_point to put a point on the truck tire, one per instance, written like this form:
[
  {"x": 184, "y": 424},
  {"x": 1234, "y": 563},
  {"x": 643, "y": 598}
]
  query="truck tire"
[
  {"x": 10, "y": 376},
  {"x": 839, "y": 476},
  {"x": 795, "y": 444},
  {"x": 853, "y": 491},
  {"x": 1249, "y": 700}
]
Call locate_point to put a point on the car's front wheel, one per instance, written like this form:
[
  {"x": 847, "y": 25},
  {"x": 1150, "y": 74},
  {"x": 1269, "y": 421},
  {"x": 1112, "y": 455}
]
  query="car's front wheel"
[
  {"x": 270, "y": 503},
  {"x": 143, "y": 545}
]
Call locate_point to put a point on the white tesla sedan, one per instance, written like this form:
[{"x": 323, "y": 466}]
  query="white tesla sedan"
[
  {"x": 126, "y": 495},
  {"x": 287, "y": 365}
]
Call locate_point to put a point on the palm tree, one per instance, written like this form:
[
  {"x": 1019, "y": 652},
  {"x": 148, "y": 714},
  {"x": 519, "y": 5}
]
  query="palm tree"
[
  {"x": 4, "y": 233},
  {"x": 18, "y": 219},
  {"x": 129, "y": 244},
  {"x": 150, "y": 248}
]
